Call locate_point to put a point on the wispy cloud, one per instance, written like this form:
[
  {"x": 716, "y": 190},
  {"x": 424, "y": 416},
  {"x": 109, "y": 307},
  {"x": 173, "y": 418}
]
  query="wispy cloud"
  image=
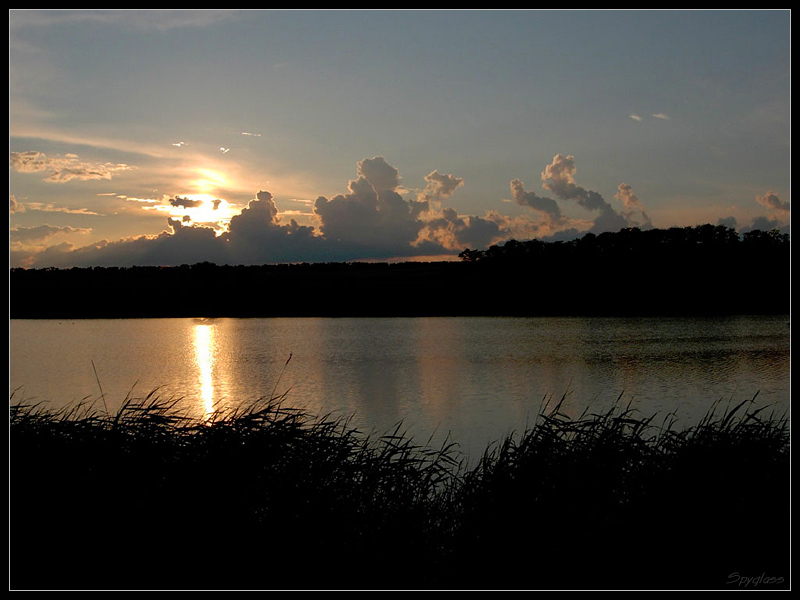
[
  {"x": 61, "y": 169},
  {"x": 158, "y": 20},
  {"x": 41, "y": 233},
  {"x": 661, "y": 116},
  {"x": 51, "y": 208}
]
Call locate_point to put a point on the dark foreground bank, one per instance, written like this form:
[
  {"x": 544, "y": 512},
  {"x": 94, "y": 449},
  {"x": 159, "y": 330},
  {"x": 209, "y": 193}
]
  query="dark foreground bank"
[{"x": 269, "y": 498}]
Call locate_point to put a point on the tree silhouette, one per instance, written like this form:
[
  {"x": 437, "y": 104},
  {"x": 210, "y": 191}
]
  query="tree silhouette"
[{"x": 708, "y": 269}]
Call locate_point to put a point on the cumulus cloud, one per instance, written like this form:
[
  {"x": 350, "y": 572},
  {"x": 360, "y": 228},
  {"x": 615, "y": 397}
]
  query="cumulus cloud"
[
  {"x": 380, "y": 174},
  {"x": 257, "y": 235},
  {"x": 771, "y": 201},
  {"x": 547, "y": 206},
  {"x": 449, "y": 231},
  {"x": 779, "y": 211},
  {"x": 61, "y": 169},
  {"x": 440, "y": 187},
  {"x": 632, "y": 206},
  {"x": 559, "y": 178},
  {"x": 372, "y": 215},
  {"x": 371, "y": 220}
]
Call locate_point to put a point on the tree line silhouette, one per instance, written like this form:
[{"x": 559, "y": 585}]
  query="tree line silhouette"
[{"x": 705, "y": 269}]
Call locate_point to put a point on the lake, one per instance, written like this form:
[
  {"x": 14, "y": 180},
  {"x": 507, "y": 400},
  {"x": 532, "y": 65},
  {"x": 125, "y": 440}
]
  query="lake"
[{"x": 478, "y": 379}]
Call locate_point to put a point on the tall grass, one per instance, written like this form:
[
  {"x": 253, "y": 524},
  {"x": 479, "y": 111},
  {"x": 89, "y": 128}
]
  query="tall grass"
[{"x": 268, "y": 497}]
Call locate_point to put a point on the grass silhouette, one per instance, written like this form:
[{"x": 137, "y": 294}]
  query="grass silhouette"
[{"x": 269, "y": 497}]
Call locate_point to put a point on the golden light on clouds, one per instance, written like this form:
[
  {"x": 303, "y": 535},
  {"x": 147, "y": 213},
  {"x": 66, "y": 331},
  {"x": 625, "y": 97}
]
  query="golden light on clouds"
[{"x": 202, "y": 209}]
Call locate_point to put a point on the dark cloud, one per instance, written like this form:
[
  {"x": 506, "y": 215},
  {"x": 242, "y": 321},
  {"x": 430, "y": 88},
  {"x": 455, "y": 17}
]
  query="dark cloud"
[
  {"x": 764, "y": 223},
  {"x": 372, "y": 217},
  {"x": 780, "y": 210},
  {"x": 547, "y": 206},
  {"x": 185, "y": 202},
  {"x": 257, "y": 236},
  {"x": 380, "y": 175}
]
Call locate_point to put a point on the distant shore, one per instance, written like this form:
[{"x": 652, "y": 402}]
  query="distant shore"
[{"x": 681, "y": 271}]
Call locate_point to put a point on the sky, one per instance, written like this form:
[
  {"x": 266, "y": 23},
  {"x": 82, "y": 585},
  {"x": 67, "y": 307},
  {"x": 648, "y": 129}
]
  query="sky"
[{"x": 162, "y": 137}]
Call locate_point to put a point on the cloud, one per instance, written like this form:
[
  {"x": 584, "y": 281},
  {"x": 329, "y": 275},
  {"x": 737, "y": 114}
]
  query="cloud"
[
  {"x": 660, "y": 116},
  {"x": 632, "y": 205},
  {"x": 559, "y": 178},
  {"x": 771, "y": 201},
  {"x": 185, "y": 202},
  {"x": 41, "y": 233},
  {"x": 439, "y": 187},
  {"x": 380, "y": 174},
  {"x": 15, "y": 206},
  {"x": 764, "y": 223},
  {"x": 452, "y": 232},
  {"x": 62, "y": 169},
  {"x": 372, "y": 215},
  {"x": 544, "y": 205},
  {"x": 145, "y": 20},
  {"x": 256, "y": 236},
  {"x": 779, "y": 209},
  {"x": 27, "y": 245},
  {"x": 371, "y": 220}
]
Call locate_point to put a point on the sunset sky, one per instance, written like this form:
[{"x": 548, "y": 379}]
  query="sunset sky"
[{"x": 246, "y": 137}]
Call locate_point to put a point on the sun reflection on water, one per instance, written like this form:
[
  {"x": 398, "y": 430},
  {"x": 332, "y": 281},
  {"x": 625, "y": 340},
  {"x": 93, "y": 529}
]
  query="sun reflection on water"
[{"x": 204, "y": 357}]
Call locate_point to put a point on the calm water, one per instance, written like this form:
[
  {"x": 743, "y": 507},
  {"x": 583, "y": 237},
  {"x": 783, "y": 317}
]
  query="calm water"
[{"x": 477, "y": 378}]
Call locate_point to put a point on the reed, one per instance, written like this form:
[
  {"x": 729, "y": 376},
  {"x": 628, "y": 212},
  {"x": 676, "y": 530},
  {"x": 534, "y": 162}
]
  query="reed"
[{"x": 269, "y": 497}]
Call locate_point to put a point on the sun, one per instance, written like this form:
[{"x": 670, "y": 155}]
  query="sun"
[
  {"x": 208, "y": 181},
  {"x": 204, "y": 209}
]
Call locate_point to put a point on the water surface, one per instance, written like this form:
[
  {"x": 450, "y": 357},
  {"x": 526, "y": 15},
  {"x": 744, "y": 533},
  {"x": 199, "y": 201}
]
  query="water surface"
[{"x": 477, "y": 378}]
